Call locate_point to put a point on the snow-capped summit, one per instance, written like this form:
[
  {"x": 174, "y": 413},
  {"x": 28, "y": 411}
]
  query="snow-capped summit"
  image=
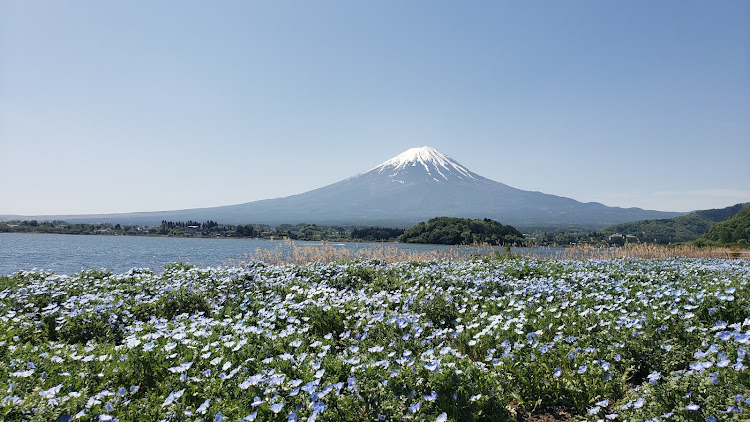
[{"x": 422, "y": 164}]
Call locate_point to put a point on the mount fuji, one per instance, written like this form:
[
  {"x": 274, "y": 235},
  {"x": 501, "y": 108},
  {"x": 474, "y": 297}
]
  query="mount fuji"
[{"x": 416, "y": 185}]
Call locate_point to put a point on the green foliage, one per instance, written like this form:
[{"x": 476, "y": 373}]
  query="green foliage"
[
  {"x": 483, "y": 340},
  {"x": 440, "y": 310},
  {"x": 376, "y": 234},
  {"x": 461, "y": 231},
  {"x": 733, "y": 231},
  {"x": 171, "y": 304},
  {"x": 684, "y": 228}
]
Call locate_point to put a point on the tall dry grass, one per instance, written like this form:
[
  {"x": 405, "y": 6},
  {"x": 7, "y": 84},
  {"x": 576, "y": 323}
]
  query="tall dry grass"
[
  {"x": 292, "y": 253},
  {"x": 644, "y": 250}
]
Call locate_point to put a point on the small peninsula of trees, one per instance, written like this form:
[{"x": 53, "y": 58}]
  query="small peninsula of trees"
[{"x": 462, "y": 231}]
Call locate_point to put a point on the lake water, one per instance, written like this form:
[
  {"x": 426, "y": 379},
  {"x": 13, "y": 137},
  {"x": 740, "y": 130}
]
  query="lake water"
[{"x": 67, "y": 254}]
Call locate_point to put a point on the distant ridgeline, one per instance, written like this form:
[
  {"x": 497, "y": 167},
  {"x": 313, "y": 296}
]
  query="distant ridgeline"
[
  {"x": 685, "y": 228},
  {"x": 462, "y": 231}
]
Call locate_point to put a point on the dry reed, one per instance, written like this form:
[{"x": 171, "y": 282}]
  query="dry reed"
[
  {"x": 292, "y": 253},
  {"x": 642, "y": 250}
]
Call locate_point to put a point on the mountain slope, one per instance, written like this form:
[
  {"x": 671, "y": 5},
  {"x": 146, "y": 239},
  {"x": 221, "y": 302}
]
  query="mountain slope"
[
  {"x": 734, "y": 230},
  {"x": 683, "y": 228},
  {"x": 416, "y": 185}
]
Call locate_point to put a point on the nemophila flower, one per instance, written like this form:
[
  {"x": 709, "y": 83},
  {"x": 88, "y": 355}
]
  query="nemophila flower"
[
  {"x": 730, "y": 409},
  {"x": 173, "y": 396},
  {"x": 639, "y": 403},
  {"x": 653, "y": 377},
  {"x": 22, "y": 374},
  {"x": 667, "y": 415},
  {"x": 51, "y": 393},
  {"x": 432, "y": 397},
  {"x": 415, "y": 407},
  {"x": 582, "y": 369},
  {"x": 724, "y": 335},
  {"x": 557, "y": 373},
  {"x": 692, "y": 407},
  {"x": 203, "y": 408},
  {"x": 11, "y": 400},
  {"x": 611, "y": 416},
  {"x": 181, "y": 368},
  {"x": 700, "y": 366},
  {"x": 276, "y": 407},
  {"x": 442, "y": 417}
]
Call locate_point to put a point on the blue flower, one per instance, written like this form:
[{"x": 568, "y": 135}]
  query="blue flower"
[
  {"x": 653, "y": 377},
  {"x": 203, "y": 407},
  {"x": 276, "y": 408}
]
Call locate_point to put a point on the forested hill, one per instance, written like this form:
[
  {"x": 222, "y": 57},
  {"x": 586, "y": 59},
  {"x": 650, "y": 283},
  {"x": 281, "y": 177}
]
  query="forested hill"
[
  {"x": 734, "y": 230},
  {"x": 461, "y": 231},
  {"x": 684, "y": 228}
]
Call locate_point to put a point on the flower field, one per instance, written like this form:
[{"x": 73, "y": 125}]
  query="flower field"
[{"x": 504, "y": 339}]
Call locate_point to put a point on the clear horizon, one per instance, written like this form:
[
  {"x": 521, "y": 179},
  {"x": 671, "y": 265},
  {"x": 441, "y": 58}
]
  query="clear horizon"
[{"x": 140, "y": 106}]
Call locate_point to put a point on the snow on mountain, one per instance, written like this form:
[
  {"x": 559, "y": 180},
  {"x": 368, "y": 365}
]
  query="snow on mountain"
[{"x": 419, "y": 165}]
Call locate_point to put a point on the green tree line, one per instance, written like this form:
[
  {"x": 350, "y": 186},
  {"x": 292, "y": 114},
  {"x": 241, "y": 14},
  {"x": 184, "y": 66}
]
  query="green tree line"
[{"x": 462, "y": 231}]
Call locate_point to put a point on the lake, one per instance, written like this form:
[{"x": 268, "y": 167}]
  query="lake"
[{"x": 67, "y": 254}]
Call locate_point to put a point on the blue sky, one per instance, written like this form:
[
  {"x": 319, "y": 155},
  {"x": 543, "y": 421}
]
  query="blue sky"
[{"x": 138, "y": 106}]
